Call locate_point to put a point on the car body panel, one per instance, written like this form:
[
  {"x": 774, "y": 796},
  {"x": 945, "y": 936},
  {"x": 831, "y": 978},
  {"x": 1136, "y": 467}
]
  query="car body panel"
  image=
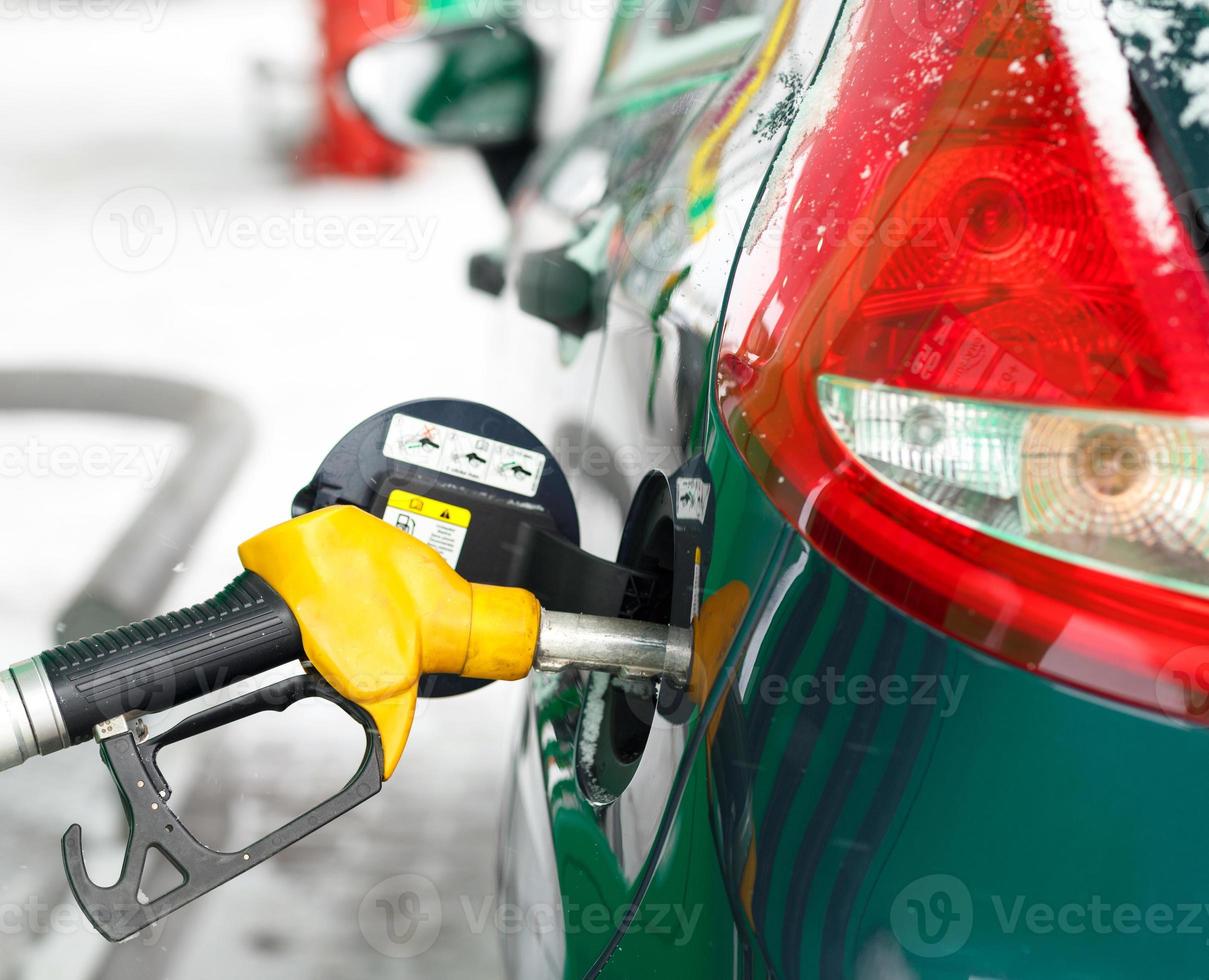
[
  {"x": 967, "y": 818},
  {"x": 1036, "y": 813},
  {"x": 607, "y": 168},
  {"x": 996, "y": 789}
]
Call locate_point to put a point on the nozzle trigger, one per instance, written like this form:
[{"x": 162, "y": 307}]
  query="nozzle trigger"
[{"x": 118, "y": 912}]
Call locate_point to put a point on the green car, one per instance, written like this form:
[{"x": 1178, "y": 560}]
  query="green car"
[{"x": 878, "y": 333}]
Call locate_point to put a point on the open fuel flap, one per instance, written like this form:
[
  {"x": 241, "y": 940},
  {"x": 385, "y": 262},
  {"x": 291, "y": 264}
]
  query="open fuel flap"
[{"x": 666, "y": 538}]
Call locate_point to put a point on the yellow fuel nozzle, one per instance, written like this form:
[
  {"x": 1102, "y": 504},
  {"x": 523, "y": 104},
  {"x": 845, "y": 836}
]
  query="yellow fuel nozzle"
[{"x": 377, "y": 609}]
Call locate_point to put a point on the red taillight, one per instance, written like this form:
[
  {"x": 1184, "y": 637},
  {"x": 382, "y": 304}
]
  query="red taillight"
[{"x": 978, "y": 376}]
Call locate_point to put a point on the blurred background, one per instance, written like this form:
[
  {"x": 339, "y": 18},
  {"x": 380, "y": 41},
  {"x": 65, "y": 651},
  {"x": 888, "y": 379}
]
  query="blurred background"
[{"x": 160, "y": 218}]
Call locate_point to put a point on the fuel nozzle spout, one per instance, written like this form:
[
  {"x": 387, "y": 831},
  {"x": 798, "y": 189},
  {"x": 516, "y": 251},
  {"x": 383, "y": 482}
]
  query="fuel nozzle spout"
[{"x": 620, "y": 646}]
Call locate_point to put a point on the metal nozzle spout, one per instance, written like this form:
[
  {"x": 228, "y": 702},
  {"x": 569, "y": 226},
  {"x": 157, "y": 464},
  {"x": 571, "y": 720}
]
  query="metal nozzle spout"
[
  {"x": 620, "y": 646},
  {"x": 30, "y": 721}
]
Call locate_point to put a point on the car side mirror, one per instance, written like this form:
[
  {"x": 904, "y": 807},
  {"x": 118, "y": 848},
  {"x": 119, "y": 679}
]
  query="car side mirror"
[{"x": 473, "y": 86}]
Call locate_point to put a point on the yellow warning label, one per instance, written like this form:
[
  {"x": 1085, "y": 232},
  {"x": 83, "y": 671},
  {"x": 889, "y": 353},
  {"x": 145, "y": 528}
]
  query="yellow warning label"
[{"x": 413, "y": 503}]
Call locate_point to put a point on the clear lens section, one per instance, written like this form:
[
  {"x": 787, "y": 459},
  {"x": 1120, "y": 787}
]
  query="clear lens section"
[{"x": 1126, "y": 491}]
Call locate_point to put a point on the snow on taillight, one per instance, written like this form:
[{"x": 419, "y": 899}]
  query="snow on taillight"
[{"x": 978, "y": 378}]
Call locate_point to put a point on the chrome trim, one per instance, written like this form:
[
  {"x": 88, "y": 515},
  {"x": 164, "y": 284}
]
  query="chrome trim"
[
  {"x": 17, "y": 741},
  {"x": 40, "y": 705}
]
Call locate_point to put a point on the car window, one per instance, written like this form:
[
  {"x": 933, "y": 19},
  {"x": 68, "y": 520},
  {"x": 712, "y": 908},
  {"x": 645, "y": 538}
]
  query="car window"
[{"x": 662, "y": 40}]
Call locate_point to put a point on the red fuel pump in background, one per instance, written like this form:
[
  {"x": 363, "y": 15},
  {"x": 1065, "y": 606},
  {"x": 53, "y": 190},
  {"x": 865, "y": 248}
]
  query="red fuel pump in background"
[{"x": 346, "y": 144}]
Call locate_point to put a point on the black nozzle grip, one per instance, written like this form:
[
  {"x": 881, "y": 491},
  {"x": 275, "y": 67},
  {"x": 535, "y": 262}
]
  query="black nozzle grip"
[{"x": 244, "y": 630}]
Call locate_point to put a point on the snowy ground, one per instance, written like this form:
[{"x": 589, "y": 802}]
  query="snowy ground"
[{"x": 312, "y": 304}]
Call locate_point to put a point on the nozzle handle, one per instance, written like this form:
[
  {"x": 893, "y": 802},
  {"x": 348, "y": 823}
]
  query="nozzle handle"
[{"x": 150, "y": 666}]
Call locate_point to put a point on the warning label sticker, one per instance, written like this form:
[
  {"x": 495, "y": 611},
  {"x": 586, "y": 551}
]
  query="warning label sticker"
[
  {"x": 462, "y": 454},
  {"x": 440, "y": 526}
]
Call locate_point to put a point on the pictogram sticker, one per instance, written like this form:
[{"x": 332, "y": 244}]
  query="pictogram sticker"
[{"x": 463, "y": 454}]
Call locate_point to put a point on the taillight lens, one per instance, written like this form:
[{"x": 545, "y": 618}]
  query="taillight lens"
[{"x": 977, "y": 374}]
